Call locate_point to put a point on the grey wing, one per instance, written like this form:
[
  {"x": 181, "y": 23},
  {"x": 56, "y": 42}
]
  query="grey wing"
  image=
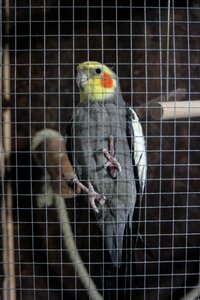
[{"x": 139, "y": 149}]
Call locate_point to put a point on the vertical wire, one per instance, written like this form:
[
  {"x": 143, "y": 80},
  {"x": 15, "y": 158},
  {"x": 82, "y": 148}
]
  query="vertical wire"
[
  {"x": 167, "y": 48},
  {"x": 30, "y": 133},
  {"x": 117, "y": 24},
  {"x": 189, "y": 147},
  {"x": 16, "y": 156},
  {"x": 88, "y": 55},
  {"x": 117, "y": 72},
  {"x": 116, "y": 39},
  {"x": 160, "y": 152},
  {"x": 59, "y": 68},
  {"x": 45, "y": 146},
  {"x": 59, "y": 129},
  {"x": 73, "y": 112},
  {"x": 131, "y": 73},
  {"x": 174, "y": 150},
  {"x": 146, "y": 95},
  {"x": 103, "y": 134},
  {"x": 74, "y": 158},
  {"x": 102, "y": 33},
  {"x": 167, "y": 96},
  {"x": 88, "y": 30},
  {"x": 88, "y": 126}
]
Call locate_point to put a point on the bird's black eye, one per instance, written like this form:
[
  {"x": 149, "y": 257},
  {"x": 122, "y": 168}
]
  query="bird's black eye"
[{"x": 98, "y": 71}]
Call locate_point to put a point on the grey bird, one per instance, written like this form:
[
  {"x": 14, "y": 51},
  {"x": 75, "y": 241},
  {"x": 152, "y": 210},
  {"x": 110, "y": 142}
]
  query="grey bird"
[{"x": 109, "y": 153}]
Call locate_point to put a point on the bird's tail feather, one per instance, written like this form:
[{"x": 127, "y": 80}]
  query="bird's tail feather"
[{"x": 113, "y": 237}]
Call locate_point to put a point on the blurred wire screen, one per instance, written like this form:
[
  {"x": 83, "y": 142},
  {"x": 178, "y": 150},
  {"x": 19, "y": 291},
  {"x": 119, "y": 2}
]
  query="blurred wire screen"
[{"x": 51, "y": 245}]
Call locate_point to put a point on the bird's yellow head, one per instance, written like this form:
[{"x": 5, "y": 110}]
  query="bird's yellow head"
[{"x": 96, "y": 81}]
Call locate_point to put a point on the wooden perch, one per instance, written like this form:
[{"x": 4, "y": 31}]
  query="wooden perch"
[
  {"x": 172, "y": 108},
  {"x": 49, "y": 151}
]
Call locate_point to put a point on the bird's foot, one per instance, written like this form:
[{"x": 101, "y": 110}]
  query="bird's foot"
[
  {"x": 112, "y": 165},
  {"x": 93, "y": 196}
]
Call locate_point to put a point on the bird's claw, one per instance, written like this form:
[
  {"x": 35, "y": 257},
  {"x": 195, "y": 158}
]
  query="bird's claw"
[
  {"x": 95, "y": 196},
  {"x": 112, "y": 161},
  {"x": 92, "y": 194},
  {"x": 112, "y": 165}
]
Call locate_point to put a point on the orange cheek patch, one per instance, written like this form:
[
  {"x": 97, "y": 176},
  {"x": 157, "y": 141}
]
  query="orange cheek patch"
[{"x": 106, "y": 81}]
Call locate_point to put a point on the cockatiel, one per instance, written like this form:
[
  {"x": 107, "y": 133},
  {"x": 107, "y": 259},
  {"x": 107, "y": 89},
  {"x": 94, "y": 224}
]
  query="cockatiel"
[{"x": 108, "y": 152}]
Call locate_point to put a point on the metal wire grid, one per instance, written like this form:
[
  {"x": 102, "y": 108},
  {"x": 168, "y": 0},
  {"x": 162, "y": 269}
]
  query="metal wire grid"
[{"x": 152, "y": 57}]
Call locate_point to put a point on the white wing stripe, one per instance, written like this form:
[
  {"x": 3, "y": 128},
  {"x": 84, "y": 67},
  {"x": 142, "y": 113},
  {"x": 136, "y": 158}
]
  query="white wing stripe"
[{"x": 139, "y": 149}]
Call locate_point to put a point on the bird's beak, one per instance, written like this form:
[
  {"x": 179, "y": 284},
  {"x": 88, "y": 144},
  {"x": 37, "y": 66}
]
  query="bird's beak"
[{"x": 81, "y": 79}]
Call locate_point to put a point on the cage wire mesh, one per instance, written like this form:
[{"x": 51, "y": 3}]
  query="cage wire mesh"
[{"x": 51, "y": 244}]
